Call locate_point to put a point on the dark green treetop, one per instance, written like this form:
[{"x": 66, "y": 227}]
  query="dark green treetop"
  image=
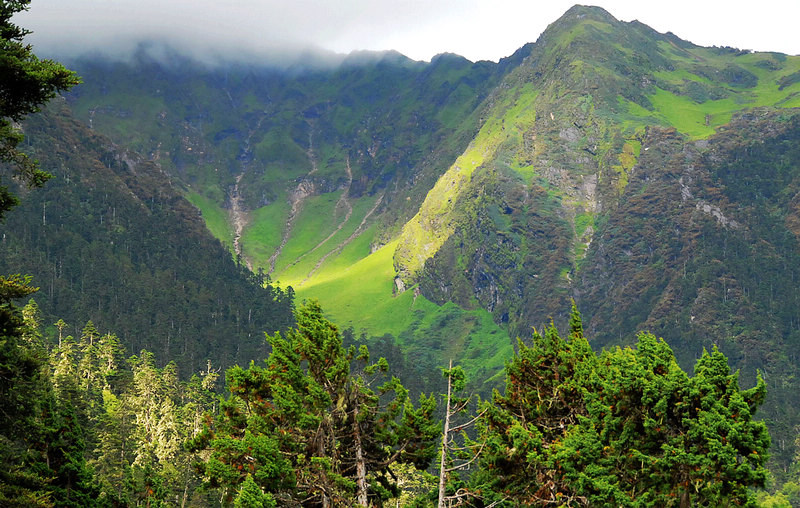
[
  {"x": 626, "y": 427},
  {"x": 310, "y": 428}
]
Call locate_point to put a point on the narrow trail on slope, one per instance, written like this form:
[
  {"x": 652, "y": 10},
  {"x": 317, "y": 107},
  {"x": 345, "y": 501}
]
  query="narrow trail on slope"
[
  {"x": 239, "y": 217},
  {"x": 343, "y": 244},
  {"x": 297, "y": 199},
  {"x": 343, "y": 201}
]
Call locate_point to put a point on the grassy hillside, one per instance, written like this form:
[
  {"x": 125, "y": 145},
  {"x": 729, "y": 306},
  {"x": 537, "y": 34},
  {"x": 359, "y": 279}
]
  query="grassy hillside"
[{"x": 329, "y": 166}]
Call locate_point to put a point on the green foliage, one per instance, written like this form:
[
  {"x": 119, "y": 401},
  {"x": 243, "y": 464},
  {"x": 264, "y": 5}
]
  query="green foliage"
[
  {"x": 23, "y": 392},
  {"x": 627, "y": 427},
  {"x": 251, "y": 495},
  {"x": 42, "y": 441}
]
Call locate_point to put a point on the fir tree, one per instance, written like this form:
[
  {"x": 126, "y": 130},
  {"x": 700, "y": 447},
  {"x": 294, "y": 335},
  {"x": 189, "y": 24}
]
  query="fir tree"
[{"x": 26, "y": 84}]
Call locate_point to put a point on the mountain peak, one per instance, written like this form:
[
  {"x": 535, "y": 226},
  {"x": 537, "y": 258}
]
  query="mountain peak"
[
  {"x": 576, "y": 16},
  {"x": 588, "y": 11},
  {"x": 580, "y": 14}
]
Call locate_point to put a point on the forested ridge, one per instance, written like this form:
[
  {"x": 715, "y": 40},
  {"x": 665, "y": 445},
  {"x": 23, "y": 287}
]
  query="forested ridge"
[{"x": 110, "y": 240}]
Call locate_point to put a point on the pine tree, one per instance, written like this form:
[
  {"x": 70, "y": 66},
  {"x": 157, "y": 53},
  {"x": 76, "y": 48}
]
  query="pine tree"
[
  {"x": 26, "y": 84},
  {"x": 251, "y": 496},
  {"x": 23, "y": 388},
  {"x": 546, "y": 386},
  {"x": 114, "y": 451},
  {"x": 454, "y": 457}
]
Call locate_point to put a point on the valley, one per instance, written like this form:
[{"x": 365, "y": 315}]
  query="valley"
[{"x": 442, "y": 209}]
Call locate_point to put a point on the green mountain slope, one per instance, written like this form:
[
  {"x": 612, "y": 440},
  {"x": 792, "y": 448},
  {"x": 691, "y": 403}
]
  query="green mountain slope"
[
  {"x": 563, "y": 134},
  {"x": 598, "y": 175},
  {"x": 306, "y": 175}
]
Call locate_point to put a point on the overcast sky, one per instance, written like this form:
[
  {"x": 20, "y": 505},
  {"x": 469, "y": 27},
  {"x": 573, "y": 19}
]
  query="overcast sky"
[{"x": 420, "y": 29}]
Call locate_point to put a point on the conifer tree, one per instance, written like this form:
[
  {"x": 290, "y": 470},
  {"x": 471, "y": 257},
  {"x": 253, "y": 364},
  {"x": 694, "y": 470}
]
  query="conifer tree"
[
  {"x": 627, "y": 428},
  {"x": 25, "y": 84},
  {"x": 23, "y": 387},
  {"x": 308, "y": 430},
  {"x": 454, "y": 457},
  {"x": 251, "y": 496}
]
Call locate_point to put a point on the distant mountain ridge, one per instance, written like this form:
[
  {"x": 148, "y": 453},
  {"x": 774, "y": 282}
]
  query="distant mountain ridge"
[{"x": 454, "y": 205}]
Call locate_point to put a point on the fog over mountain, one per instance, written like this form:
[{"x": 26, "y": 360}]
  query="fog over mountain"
[{"x": 251, "y": 30}]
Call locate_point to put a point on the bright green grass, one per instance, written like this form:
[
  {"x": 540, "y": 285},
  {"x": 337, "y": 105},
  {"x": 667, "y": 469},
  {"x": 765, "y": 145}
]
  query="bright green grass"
[
  {"x": 318, "y": 217},
  {"x": 263, "y": 235},
  {"x": 215, "y": 217},
  {"x": 702, "y": 120},
  {"x": 371, "y": 279},
  {"x": 695, "y": 120},
  {"x": 299, "y": 270},
  {"x": 361, "y": 295},
  {"x": 359, "y": 248}
]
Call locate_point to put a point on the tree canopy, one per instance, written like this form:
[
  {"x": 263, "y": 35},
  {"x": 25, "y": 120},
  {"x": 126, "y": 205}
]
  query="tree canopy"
[{"x": 311, "y": 427}]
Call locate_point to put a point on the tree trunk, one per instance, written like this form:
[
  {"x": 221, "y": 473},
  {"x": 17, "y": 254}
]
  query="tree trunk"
[
  {"x": 326, "y": 501},
  {"x": 445, "y": 432},
  {"x": 361, "y": 467}
]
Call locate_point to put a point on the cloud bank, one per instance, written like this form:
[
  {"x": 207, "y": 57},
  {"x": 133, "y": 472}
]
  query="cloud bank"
[{"x": 419, "y": 29}]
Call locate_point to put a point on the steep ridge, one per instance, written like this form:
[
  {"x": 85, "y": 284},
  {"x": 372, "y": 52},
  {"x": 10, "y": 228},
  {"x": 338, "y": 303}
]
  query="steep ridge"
[
  {"x": 562, "y": 133},
  {"x": 540, "y": 208}
]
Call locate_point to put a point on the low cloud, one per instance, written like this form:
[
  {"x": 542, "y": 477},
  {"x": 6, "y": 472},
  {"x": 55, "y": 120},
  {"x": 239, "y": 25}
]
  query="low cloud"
[
  {"x": 217, "y": 30},
  {"x": 279, "y": 30}
]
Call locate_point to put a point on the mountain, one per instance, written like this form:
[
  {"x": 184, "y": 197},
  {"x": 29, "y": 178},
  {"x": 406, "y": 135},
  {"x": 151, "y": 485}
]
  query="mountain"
[
  {"x": 649, "y": 179},
  {"x": 304, "y": 172},
  {"x": 108, "y": 239},
  {"x": 447, "y": 207}
]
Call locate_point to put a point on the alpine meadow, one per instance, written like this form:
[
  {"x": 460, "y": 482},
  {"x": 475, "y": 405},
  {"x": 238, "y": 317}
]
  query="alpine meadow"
[{"x": 569, "y": 277}]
